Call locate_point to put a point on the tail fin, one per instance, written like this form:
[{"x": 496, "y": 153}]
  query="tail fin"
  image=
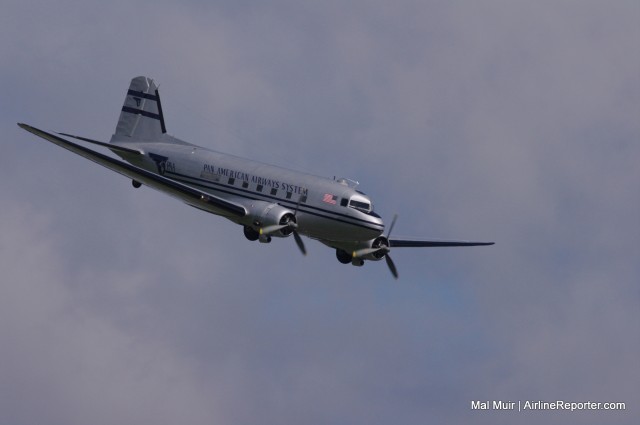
[{"x": 141, "y": 116}]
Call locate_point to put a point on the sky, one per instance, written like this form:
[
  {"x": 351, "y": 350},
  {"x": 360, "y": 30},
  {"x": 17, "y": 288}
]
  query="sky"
[{"x": 511, "y": 121}]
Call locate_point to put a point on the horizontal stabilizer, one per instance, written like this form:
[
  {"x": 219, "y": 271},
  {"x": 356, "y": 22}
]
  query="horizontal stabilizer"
[
  {"x": 110, "y": 146},
  {"x": 188, "y": 194},
  {"x": 408, "y": 243}
]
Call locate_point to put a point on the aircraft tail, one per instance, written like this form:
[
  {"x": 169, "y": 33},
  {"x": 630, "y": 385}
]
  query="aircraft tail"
[{"x": 141, "y": 117}]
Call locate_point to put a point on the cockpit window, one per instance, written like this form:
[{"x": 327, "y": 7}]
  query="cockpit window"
[
  {"x": 360, "y": 205},
  {"x": 358, "y": 201}
]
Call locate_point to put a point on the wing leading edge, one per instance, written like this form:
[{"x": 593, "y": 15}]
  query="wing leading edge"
[
  {"x": 408, "y": 243},
  {"x": 188, "y": 194}
]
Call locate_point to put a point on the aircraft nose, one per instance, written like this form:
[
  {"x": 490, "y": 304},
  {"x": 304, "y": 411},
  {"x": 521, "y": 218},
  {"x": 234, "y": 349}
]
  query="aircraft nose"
[{"x": 376, "y": 220}]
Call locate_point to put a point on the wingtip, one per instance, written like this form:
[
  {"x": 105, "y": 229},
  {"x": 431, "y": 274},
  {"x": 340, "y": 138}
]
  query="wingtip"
[{"x": 26, "y": 127}]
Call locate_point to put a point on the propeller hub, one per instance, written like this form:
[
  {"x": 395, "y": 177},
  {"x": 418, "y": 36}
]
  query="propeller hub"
[{"x": 381, "y": 244}]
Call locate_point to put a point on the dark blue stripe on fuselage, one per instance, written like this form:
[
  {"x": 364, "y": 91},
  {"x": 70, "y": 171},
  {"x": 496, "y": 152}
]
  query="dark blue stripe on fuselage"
[{"x": 141, "y": 112}]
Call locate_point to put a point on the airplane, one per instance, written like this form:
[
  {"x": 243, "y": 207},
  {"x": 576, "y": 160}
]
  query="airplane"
[{"x": 266, "y": 200}]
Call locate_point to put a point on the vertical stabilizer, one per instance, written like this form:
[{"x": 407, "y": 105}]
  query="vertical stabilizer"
[{"x": 141, "y": 116}]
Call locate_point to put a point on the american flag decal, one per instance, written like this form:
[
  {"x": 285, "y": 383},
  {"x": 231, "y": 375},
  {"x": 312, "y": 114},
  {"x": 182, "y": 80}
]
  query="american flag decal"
[{"x": 329, "y": 199}]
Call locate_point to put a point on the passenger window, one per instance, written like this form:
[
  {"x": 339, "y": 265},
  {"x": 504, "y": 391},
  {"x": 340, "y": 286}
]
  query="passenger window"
[
  {"x": 288, "y": 195},
  {"x": 259, "y": 188},
  {"x": 274, "y": 191},
  {"x": 245, "y": 184},
  {"x": 344, "y": 202},
  {"x": 231, "y": 180}
]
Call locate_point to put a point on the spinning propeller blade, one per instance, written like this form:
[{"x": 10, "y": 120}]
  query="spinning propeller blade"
[
  {"x": 296, "y": 236},
  {"x": 299, "y": 242},
  {"x": 392, "y": 267},
  {"x": 390, "y": 264}
]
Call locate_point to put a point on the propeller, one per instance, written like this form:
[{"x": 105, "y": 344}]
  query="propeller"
[
  {"x": 294, "y": 229},
  {"x": 299, "y": 242},
  {"x": 274, "y": 228},
  {"x": 382, "y": 248},
  {"x": 392, "y": 267},
  {"x": 291, "y": 224}
]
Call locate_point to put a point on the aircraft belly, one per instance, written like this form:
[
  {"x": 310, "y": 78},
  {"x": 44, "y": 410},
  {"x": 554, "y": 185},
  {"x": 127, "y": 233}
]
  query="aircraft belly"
[{"x": 330, "y": 228}]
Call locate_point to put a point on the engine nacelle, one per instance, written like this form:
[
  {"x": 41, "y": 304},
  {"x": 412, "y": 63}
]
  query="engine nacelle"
[
  {"x": 378, "y": 242},
  {"x": 265, "y": 216}
]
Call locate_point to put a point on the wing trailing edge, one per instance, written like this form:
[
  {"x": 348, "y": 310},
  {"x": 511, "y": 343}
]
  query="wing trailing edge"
[
  {"x": 110, "y": 146},
  {"x": 188, "y": 194}
]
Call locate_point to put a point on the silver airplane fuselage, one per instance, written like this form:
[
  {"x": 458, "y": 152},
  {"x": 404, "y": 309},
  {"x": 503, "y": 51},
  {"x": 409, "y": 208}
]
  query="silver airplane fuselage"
[{"x": 323, "y": 204}]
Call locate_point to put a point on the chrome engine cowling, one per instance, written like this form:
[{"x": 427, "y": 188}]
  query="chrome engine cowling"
[
  {"x": 373, "y": 254},
  {"x": 265, "y": 216}
]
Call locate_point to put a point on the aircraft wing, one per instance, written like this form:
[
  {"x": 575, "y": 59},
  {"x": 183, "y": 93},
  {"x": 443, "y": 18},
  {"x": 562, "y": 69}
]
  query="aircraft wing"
[
  {"x": 188, "y": 194},
  {"x": 410, "y": 243},
  {"x": 110, "y": 146}
]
